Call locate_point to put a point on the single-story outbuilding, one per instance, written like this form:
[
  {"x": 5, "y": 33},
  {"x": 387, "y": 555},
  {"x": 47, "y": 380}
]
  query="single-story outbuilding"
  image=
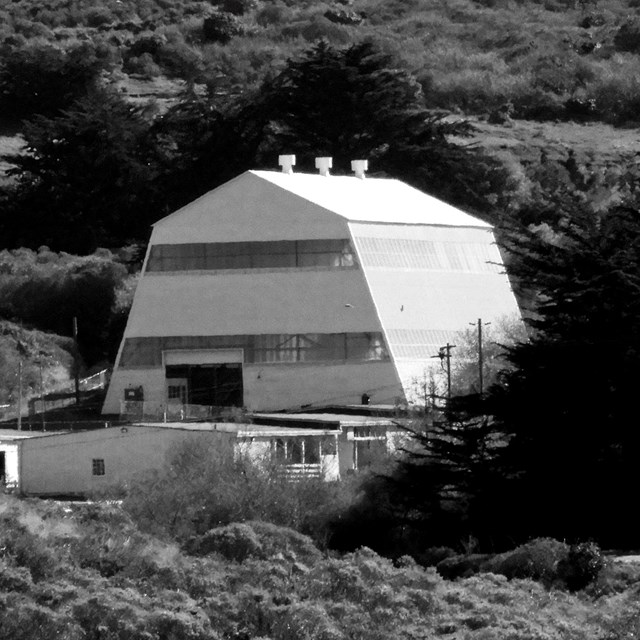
[{"x": 78, "y": 463}]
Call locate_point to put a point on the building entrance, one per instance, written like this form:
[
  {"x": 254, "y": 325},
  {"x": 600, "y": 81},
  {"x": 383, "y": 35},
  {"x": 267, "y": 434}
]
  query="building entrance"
[{"x": 218, "y": 385}]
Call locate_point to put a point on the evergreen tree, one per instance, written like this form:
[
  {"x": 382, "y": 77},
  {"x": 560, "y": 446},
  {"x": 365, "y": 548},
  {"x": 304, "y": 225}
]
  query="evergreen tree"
[
  {"x": 88, "y": 179},
  {"x": 45, "y": 79},
  {"x": 567, "y": 407},
  {"x": 356, "y": 103}
]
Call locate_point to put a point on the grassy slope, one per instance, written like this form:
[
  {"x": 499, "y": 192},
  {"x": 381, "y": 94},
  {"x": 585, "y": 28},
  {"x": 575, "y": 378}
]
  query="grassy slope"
[
  {"x": 86, "y": 571},
  {"x": 470, "y": 57}
]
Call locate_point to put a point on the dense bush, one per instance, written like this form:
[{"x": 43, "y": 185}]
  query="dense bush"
[
  {"x": 47, "y": 290},
  {"x": 158, "y": 593},
  {"x": 538, "y": 560},
  {"x": 236, "y": 541},
  {"x": 544, "y": 560},
  {"x": 627, "y": 37},
  {"x": 221, "y": 27},
  {"x": 204, "y": 487},
  {"x": 44, "y": 79},
  {"x": 581, "y": 566}
]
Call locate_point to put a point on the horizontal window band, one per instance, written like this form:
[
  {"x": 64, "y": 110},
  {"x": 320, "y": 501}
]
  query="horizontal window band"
[
  {"x": 221, "y": 256},
  {"x": 250, "y": 271},
  {"x": 138, "y": 353}
]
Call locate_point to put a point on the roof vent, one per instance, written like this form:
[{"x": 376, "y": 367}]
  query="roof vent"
[
  {"x": 287, "y": 163},
  {"x": 359, "y": 167},
  {"x": 323, "y": 165}
]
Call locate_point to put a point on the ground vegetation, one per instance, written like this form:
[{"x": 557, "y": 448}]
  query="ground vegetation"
[{"x": 87, "y": 571}]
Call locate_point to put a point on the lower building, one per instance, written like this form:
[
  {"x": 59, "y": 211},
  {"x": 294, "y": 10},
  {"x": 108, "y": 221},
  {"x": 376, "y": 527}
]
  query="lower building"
[{"x": 81, "y": 463}]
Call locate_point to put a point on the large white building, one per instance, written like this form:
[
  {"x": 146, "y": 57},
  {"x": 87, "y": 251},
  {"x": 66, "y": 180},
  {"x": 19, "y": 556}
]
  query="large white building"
[{"x": 281, "y": 290}]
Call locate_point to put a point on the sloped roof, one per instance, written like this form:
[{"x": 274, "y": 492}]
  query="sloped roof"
[{"x": 381, "y": 200}]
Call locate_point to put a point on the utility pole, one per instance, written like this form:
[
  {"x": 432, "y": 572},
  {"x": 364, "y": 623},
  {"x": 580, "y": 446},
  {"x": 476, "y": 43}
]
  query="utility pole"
[
  {"x": 76, "y": 363},
  {"x": 444, "y": 353},
  {"x": 20, "y": 394},
  {"x": 480, "y": 355},
  {"x": 43, "y": 408},
  {"x": 448, "y": 348}
]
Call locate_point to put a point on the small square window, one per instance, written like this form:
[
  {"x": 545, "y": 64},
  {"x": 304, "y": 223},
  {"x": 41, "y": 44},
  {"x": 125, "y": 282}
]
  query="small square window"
[{"x": 97, "y": 466}]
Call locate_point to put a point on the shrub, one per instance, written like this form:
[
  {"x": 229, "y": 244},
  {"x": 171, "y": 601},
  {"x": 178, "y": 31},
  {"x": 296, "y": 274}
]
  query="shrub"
[
  {"x": 238, "y": 7},
  {"x": 221, "y": 27},
  {"x": 98, "y": 16},
  {"x": 627, "y": 37},
  {"x": 463, "y": 566},
  {"x": 305, "y": 620},
  {"x": 274, "y": 540},
  {"x": 432, "y": 556},
  {"x": 44, "y": 79},
  {"x": 537, "y": 560},
  {"x": 16, "y": 579},
  {"x": 236, "y": 541},
  {"x": 582, "y": 565},
  {"x": 272, "y": 13}
]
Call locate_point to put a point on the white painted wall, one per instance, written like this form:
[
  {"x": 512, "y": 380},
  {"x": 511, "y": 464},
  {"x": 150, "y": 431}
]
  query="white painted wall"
[
  {"x": 62, "y": 464},
  {"x": 427, "y": 305},
  {"x": 271, "y": 387},
  {"x": 153, "y": 382},
  {"x": 292, "y": 386},
  {"x": 11, "y": 453},
  {"x": 285, "y": 301}
]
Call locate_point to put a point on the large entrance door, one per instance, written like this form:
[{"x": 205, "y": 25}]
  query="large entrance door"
[{"x": 218, "y": 385}]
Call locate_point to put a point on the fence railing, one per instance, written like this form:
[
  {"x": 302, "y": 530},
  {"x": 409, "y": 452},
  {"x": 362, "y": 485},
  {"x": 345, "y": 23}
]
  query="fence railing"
[
  {"x": 137, "y": 410},
  {"x": 299, "y": 471},
  {"x": 62, "y": 396}
]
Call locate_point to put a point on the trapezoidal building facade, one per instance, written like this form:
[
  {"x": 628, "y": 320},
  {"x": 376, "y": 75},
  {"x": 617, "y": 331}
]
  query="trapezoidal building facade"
[{"x": 281, "y": 290}]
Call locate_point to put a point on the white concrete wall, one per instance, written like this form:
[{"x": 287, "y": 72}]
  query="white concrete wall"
[
  {"x": 62, "y": 464},
  {"x": 270, "y": 387},
  {"x": 292, "y": 386},
  {"x": 153, "y": 382},
  {"x": 428, "y": 306},
  {"x": 284, "y": 301},
  {"x": 11, "y": 454}
]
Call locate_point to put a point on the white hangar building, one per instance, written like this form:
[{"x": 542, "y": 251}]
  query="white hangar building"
[{"x": 281, "y": 290}]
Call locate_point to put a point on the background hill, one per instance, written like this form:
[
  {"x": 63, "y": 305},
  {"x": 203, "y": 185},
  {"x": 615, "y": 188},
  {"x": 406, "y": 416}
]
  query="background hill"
[{"x": 550, "y": 60}]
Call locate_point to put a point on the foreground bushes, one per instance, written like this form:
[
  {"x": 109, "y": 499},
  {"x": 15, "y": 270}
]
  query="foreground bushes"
[
  {"x": 545, "y": 560},
  {"x": 86, "y": 571},
  {"x": 202, "y": 488}
]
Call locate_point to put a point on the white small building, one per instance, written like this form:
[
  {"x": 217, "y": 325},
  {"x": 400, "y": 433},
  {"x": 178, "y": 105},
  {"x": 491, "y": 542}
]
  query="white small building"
[
  {"x": 10, "y": 456},
  {"x": 79, "y": 463},
  {"x": 283, "y": 290}
]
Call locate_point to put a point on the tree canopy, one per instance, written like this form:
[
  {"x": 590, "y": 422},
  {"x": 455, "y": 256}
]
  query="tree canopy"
[
  {"x": 88, "y": 179},
  {"x": 566, "y": 405}
]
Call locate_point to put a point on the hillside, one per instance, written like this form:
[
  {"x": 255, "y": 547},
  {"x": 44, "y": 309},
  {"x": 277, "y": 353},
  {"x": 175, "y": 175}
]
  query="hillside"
[{"x": 546, "y": 61}]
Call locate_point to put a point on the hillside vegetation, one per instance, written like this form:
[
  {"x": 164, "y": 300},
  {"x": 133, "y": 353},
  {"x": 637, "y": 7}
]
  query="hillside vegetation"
[
  {"x": 86, "y": 571},
  {"x": 551, "y": 59}
]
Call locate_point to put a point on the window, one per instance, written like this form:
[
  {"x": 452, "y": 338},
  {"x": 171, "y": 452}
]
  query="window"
[
  {"x": 97, "y": 467},
  {"x": 177, "y": 392},
  {"x": 311, "y": 450},
  {"x": 262, "y": 348},
  {"x": 283, "y": 254},
  {"x": 328, "y": 446}
]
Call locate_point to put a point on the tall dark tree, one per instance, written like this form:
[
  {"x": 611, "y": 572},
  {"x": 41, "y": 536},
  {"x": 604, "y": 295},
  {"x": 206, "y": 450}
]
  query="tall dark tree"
[
  {"x": 357, "y": 103},
  {"x": 45, "y": 79},
  {"x": 88, "y": 179},
  {"x": 568, "y": 405}
]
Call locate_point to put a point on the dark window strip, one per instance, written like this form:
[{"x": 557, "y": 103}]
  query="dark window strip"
[
  {"x": 262, "y": 348},
  {"x": 251, "y": 255}
]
